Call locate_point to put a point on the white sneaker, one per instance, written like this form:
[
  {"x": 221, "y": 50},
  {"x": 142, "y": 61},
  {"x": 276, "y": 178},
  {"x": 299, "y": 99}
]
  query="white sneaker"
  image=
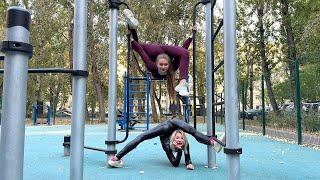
[
  {"x": 218, "y": 147},
  {"x": 131, "y": 21},
  {"x": 114, "y": 162},
  {"x": 182, "y": 89}
]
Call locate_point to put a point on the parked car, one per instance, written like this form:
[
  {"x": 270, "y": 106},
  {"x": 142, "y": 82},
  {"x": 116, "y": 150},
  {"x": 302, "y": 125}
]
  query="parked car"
[
  {"x": 315, "y": 107},
  {"x": 305, "y": 107},
  {"x": 64, "y": 113},
  {"x": 253, "y": 113}
]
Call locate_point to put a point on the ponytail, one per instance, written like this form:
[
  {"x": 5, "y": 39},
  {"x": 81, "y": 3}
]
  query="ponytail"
[
  {"x": 170, "y": 77},
  {"x": 170, "y": 84}
]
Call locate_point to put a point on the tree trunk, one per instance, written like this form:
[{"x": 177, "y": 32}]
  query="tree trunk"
[
  {"x": 286, "y": 23},
  {"x": 264, "y": 61},
  {"x": 99, "y": 93},
  {"x": 93, "y": 59},
  {"x": 38, "y": 82},
  {"x": 251, "y": 84},
  {"x": 246, "y": 84},
  {"x": 70, "y": 33}
]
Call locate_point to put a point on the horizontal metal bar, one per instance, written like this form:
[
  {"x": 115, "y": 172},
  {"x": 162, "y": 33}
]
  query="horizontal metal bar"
[
  {"x": 138, "y": 78},
  {"x": 134, "y": 84},
  {"x": 144, "y": 78},
  {"x": 140, "y": 127},
  {"x": 49, "y": 70},
  {"x": 95, "y": 149},
  {"x": 218, "y": 103},
  {"x": 221, "y": 98}
]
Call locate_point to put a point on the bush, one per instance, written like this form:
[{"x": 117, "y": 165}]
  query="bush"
[
  {"x": 310, "y": 121},
  {"x": 284, "y": 120}
]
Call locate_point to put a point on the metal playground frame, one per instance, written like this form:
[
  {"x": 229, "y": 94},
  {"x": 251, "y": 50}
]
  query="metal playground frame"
[{"x": 18, "y": 50}]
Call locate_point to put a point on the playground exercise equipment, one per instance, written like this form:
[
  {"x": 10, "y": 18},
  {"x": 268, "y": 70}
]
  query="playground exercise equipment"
[
  {"x": 139, "y": 102},
  {"x": 232, "y": 148},
  {"x": 138, "y": 89},
  {"x": 18, "y": 50},
  {"x": 112, "y": 110},
  {"x": 208, "y": 48}
]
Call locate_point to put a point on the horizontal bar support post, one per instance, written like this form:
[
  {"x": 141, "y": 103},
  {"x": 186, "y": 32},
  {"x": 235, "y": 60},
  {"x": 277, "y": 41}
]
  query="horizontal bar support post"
[{"x": 56, "y": 70}]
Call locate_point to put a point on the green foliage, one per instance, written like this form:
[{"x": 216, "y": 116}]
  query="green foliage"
[
  {"x": 282, "y": 91},
  {"x": 309, "y": 84},
  {"x": 287, "y": 120}
]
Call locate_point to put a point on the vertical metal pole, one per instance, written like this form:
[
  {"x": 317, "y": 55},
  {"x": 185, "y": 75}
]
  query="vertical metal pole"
[
  {"x": 125, "y": 92},
  {"x": 263, "y": 107},
  {"x": 212, "y": 78},
  {"x": 216, "y": 106},
  {"x": 54, "y": 114},
  {"x": 48, "y": 115},
  {"x": 14, "y": 97},
  {"x": 211, "y": 154},
  {"x": 128, "y": 85},
  {"x": 0, "y": 105},
  {"x": 78, "y": 90},
  {"x": 194, "y": 69},
  {"x": 221, "y": 109},
  {"x": 231, "y": 84},
  {"x": 298, "y": 102},
  {"x": 194, "y": 66},
  {"x": 34, "y": 115},
  {"x": 112, "y": 94},
  {"x": 148, "y": 99}
]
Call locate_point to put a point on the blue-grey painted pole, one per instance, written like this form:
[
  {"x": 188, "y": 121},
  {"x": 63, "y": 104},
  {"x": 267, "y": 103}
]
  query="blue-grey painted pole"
[
  {"x": 112, "y": 93},
  {"x": 34, "y": 114},
  {"x": 48, "y": 115},
  {"x": 14, "y": 96},
  {"x": 78, "y": 90},
  {"x": 231, "y": 84},
  {"x": 208, "y": 42},
  {"x": 124, "y": 120}
]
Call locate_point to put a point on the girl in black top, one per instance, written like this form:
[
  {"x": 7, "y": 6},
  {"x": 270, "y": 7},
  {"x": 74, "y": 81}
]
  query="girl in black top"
[{"x": 173, "y": 139}]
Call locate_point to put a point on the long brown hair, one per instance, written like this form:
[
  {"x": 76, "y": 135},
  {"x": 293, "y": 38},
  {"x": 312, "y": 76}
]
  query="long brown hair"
[{"x": 170, "y": 76}]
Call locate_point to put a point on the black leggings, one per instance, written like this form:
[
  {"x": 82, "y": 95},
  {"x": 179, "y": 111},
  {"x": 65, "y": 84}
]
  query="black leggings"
[{"x": 164, "y": 130}]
